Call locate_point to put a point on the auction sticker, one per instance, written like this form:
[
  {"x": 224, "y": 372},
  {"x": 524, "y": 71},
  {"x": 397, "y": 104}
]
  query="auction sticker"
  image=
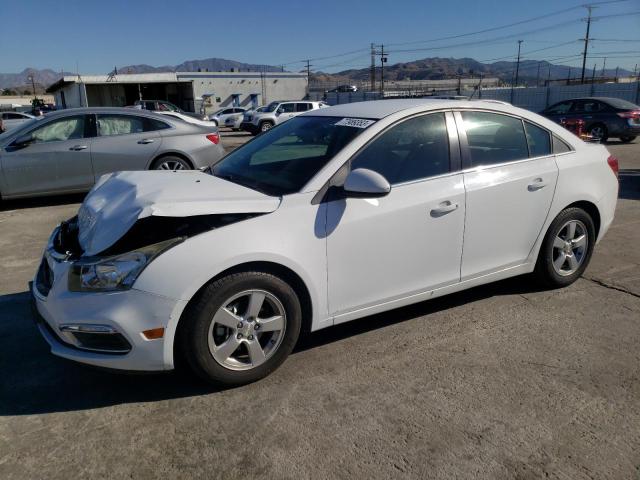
[{"x": 355, "y": 122}]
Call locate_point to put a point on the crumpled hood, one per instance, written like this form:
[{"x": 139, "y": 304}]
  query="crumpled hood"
[{"x": 119, "y": 199}]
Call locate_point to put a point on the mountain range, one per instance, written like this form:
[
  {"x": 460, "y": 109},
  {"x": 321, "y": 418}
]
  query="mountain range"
[
  {"x": 425, "y": 69},
  {"x": 441, "y": 68}
]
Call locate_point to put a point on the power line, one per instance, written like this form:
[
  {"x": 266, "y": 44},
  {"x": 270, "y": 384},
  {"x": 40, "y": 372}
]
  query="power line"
[
  {"x": 502, "y": 27},
  {"x": 490, "y": 40}
]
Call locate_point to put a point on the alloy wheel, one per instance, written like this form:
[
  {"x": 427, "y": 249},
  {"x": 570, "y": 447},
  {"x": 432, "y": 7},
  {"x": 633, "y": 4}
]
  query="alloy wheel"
[
  {"x": 597, "y": 132},
  {"x": 570, "y": 248},
  {"x": 247, "y": 330},
  {"x": 172, "y": 165}
]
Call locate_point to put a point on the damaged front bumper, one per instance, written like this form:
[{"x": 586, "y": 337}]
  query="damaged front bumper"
[{"x": 103, "y": 328}]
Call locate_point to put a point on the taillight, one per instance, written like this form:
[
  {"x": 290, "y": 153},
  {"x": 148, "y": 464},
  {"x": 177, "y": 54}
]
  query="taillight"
[
  {"x": 629, "y": 114},
  {"x": 213, "y": 137},
  {"x": 613, "y": 164}
]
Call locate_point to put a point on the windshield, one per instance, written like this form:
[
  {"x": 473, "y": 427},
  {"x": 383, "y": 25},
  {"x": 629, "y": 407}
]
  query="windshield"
[
  {"x": 283, "y": 159},
  {"x": 271, "y": 107},
  {"x": 622, "y": 104}
]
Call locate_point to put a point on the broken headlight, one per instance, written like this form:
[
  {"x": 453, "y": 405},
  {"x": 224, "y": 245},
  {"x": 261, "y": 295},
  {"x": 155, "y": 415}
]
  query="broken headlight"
[{"x": 118, "y": 272}]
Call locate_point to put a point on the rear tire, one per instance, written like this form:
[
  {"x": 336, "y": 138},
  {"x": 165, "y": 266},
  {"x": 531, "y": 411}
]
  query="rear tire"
[
  {"x": 171, "y": 163},
  {"x": 566, "y": 249},
  {"x": 628, "y": 139},
  {"x": 227, "y": 341},
  {"x": 599, "y": 131}
]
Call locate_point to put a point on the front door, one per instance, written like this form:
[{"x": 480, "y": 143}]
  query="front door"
[
  {"x": 385, "y": 249},
  {"x": 510, "y": 180},
  {"x": 57, "y": 158}
]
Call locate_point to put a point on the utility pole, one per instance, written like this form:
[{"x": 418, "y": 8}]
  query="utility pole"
[
  {"x": 383, "y": 60},
  {"x": 33, "y": 85},
  {"x": 569, "y": 77},
  {"x": 604, "y": 64},
  {"x": 308, "y": 75},
  {"x": 515, "y": 82},
  {"x": 518, "y": 62},
  {"x": 373, "y": 68},
  {"x": 586, "y": 43},
  {"x": 593, "y": 75},
  {"x": 616, "y": 78},
  {"x": 538, "y": 76}
]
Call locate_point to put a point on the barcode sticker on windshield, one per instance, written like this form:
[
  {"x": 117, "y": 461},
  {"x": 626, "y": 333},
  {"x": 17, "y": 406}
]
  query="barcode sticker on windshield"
[{"x": 355, "y": 122}]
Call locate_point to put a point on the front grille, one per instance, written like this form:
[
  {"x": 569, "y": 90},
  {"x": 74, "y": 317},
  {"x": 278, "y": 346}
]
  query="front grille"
[{"x": 44, "y": 278}]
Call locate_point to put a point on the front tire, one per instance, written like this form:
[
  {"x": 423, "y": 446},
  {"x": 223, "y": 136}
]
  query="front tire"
[
  {"x": 627, "y": 139},
  {"x": 566, "y": 249},
  {"x": 264, "y": 126},
  {"x": 241, "y": 328}
]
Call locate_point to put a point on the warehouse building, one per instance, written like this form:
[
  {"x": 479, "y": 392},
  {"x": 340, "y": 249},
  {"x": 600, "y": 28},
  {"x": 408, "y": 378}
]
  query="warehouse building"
[{"x": 203, "y": 92}]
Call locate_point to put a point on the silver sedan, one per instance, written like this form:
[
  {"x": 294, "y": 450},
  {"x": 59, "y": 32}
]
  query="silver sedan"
[{"x": 68, "y": 150}]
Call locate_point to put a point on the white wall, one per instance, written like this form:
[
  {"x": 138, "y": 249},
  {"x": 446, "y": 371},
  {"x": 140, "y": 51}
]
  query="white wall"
[{"x": 223, "y": 85}]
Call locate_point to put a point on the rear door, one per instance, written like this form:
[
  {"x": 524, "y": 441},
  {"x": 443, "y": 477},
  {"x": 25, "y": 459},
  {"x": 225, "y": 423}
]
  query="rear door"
[
  {"x": 57, "y": 159},
  {"x": 510, "y": 176},
  {"x": 125, "y": 142}
]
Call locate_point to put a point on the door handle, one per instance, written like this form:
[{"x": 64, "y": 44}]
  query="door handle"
[
  {"x": 77, "y": 148},
  {"x": 443, "y": 209},
  {"x": 145, "y": 141},
  {"x": 537, "y": 184}
]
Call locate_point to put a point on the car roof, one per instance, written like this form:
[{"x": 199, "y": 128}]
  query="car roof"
[
  {"x": 115, "y": 110},
  {"x": 377, "y": 109}
]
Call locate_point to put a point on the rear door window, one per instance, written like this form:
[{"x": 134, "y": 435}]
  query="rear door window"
[
  {"x": 303, "y": 107},
  {"x": 109, "y": 125},
  {"x": 494, "y": 138}
]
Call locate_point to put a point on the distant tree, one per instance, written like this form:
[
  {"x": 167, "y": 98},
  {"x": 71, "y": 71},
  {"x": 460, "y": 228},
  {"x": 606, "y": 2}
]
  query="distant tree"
[
  {"x": 9, "y": 92},
  {"x": 26, "y": 92}
]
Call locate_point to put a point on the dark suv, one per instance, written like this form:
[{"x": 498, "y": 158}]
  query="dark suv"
[{"x": 603, "y": 117}]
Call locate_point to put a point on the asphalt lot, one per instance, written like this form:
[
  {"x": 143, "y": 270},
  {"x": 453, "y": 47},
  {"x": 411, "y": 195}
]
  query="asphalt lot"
[{"x": 502, "y": 381}]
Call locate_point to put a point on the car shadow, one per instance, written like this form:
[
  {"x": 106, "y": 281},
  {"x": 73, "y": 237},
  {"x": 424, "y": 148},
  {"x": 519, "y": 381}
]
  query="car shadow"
[
  {"x": 35, "y": 382},
  {"x": 36, "y": 202}
]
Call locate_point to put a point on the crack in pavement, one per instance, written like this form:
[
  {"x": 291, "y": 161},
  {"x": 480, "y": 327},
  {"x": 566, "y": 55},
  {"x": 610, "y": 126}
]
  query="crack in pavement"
[{"x": 604, "y": 284}]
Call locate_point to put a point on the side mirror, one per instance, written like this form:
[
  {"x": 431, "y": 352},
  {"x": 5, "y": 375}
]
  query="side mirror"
[
  {"x": 365, "y": 183},
  {"x": 23, "y": 140}
]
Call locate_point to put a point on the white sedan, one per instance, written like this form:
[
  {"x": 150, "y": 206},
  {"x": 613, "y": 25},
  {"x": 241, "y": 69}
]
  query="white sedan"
[
  {"x": 335, "y": 215},
  {"x": 11, "y": 120}
]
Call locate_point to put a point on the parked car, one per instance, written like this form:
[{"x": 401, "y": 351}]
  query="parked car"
[
  {"x": 234, "y": 121},
  {"x": 164, "y": 106},
  {"x": 276, "y": 113},
  {"x": 11, "y": 120},
  {"x": 343, "y": 89},
  {"x": 337, "y": 214},
  {"x": 69, "y": 150},
  {"x": 221, "y": 115},
  {"x": 604, "y": 117},
  {"x": 188, "y": 119}
]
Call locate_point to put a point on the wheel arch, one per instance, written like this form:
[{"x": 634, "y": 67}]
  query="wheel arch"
[
  {"x": 592, "y": 211},
  {"x": 170, "y": 154},
  {"x": 277, "y": 269}
]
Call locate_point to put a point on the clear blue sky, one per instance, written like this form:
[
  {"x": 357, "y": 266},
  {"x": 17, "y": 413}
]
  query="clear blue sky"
[{"x": 100, "y": 34}]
